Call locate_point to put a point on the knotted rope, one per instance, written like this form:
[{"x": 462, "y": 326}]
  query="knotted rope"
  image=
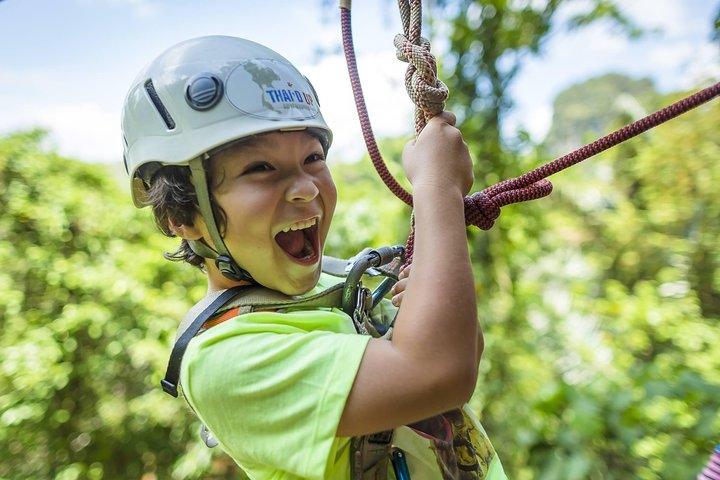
[
  {"x": 426, "y": 91},
  {"x": 429, "y": 94}
]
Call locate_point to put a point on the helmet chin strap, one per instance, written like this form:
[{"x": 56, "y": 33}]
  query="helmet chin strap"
[{"x": 223, "y": 260}]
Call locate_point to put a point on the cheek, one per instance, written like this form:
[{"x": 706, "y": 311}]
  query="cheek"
[
  {"x": 329, "y": 194},
  {"x": 329, "y": 202},
  {"x": 248, "y": 211}
]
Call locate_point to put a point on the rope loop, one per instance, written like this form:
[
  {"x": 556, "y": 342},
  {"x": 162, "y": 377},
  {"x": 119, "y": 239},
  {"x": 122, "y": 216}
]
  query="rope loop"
[{"x": 483, "y": 208}]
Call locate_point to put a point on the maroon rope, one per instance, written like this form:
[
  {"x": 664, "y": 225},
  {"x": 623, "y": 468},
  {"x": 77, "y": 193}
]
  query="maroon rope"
[
  {"x": 712, "y": 469},
  {"x": 370, "y": 142},
  {"x": 483, "y": 208}
]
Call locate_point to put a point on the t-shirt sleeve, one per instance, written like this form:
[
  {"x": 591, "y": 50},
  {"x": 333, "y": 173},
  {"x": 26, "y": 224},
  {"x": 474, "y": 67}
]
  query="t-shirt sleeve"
[{"x": 273, "y": 399}]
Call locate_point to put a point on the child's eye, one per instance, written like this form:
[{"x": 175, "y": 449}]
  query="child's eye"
[
  {"x": 315, "y": 157},
  {"x": 258, "y": 167}
]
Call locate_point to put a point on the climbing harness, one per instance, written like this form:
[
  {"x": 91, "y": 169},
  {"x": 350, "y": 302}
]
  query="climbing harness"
[
  {"x": 349, "y": 294},
  {"x": 428, "y": 93},
  {"x": 457, "y": 444},
  {"x": 370, "y": 454}
]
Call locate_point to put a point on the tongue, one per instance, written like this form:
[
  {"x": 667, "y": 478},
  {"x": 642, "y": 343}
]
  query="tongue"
[{"x": 292, "y": 241}]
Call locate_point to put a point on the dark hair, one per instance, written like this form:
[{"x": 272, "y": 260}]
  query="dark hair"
[{"x": 172, "y": 197}]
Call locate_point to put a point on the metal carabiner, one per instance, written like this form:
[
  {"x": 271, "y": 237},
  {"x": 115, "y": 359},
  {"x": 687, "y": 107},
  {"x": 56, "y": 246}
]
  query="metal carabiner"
[{"x": 373, "y": 258}]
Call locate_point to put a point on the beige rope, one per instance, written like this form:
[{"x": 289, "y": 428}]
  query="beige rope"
[{"x": 426, "y": 91}]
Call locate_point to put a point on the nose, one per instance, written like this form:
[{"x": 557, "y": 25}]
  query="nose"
[{"x": 302, "y": 189}]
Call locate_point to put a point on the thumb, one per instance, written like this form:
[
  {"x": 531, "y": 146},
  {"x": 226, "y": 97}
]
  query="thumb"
[
  {"x": 444, "y": 117},
  {"x": 449, "y": 117}
]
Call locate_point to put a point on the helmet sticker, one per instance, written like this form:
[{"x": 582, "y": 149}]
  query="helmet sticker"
[{"x": 271, "y": 89}]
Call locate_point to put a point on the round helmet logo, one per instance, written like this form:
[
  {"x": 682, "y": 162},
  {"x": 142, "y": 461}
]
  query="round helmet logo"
[
  {"x": 271, "y": 89},
  {"x": 203, "y": 91}
]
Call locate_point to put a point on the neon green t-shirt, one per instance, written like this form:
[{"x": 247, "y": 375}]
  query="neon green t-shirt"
[{"x": 271, "y": 387}]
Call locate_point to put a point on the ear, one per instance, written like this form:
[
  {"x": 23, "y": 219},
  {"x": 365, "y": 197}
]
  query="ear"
[{"x": 188, "y": 232}]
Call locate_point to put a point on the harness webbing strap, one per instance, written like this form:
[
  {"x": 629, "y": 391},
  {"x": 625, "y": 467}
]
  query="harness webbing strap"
[
  {"x": 221, "y": 302},
  {"x": 227, "y": 315},
  {"x": 370, "y": 453},
  {"x": 213, "y": 302}
]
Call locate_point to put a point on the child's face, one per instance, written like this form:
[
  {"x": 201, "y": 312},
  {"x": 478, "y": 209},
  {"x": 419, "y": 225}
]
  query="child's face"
[{"x": 263, "y": 188}]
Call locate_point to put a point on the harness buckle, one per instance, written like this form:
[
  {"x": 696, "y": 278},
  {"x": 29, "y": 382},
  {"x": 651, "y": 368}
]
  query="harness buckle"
[{"x": 169, "y": 387}]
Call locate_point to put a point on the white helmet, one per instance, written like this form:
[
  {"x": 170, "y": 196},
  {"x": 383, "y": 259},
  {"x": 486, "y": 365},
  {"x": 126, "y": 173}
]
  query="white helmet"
[{"x": 201, "y": 95}]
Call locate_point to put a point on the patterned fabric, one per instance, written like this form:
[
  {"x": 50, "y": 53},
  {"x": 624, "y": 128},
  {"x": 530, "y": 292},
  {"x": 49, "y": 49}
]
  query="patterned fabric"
[{"x": 462, "y": 450}]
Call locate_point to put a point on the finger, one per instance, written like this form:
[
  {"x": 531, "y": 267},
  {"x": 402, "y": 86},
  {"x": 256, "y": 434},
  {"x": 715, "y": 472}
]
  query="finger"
[
  {"x": 397, "y": 299},
  {"x": 399, "y": 286},
  {"x": 404, "y": 273}
]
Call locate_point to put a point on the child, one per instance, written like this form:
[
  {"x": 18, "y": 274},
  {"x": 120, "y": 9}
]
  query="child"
[{"x": 225, "y": 140}]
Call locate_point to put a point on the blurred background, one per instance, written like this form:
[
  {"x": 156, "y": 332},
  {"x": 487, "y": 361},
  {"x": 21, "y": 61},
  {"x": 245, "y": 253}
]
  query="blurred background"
[{"x": 600, "y": 304}]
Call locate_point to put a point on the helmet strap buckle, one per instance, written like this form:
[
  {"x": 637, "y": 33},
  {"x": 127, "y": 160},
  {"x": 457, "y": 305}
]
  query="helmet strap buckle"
[{"x": 230, "y": 269}]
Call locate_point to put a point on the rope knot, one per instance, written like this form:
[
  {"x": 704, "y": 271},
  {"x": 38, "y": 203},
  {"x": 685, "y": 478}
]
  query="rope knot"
[
  {"x": 406, "y": 49},
  {"x": 421, "y": 82},
  {"x": 481, "y": 210}
]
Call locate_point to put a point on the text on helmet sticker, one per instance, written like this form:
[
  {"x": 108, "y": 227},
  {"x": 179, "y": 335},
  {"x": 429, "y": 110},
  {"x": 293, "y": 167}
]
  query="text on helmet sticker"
[{"x": 270, "y": 89}]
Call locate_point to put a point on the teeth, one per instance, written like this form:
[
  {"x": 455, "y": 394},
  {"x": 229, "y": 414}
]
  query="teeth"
[{"x": 300, "y": 225}]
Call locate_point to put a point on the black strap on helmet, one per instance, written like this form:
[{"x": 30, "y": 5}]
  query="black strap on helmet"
[{"x": 172, "y": 375}]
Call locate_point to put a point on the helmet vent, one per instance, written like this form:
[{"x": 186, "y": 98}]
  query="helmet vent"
[
  {"x": 125, "y": 146},
  {"x": 203, "y": 91},
  {"x": 155, "y": 98}
]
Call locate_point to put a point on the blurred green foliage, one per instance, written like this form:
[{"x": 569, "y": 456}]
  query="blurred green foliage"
[
  {"x": 88, "y": 309},
  {"x": 600, "y": 304},
  {"x": 601, "y": 323},
  {"x": 562, "y": 394},
  {"x": 602, "y": 320}
]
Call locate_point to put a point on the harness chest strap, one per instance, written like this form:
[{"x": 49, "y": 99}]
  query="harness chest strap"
[{"x": 189, "y": 327}]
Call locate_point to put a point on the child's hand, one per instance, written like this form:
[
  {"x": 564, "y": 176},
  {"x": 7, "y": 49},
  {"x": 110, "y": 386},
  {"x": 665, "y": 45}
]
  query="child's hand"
[
  {"x": 439, "y": 156},
  {"x": 399, "y": 288}
]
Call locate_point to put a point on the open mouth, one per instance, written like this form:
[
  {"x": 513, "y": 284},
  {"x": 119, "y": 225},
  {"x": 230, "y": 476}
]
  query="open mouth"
[{"x": 302, "y": 245}]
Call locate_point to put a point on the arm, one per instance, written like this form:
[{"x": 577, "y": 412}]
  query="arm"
[
  {"x": 397, "y": 292},
  {"x": 430, "y": 366}
]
